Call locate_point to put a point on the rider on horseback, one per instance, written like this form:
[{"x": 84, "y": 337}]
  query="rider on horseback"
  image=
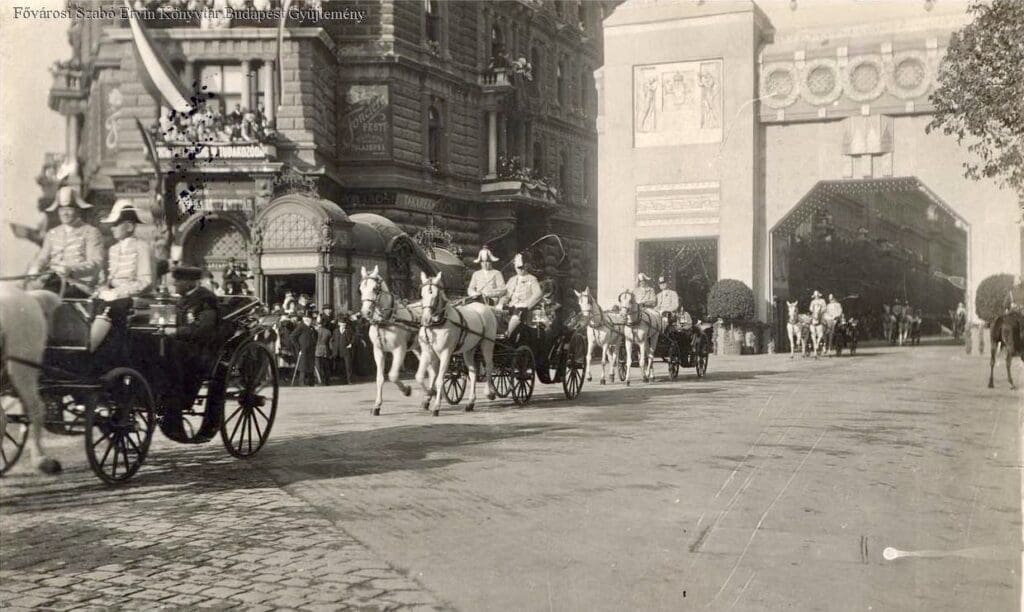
[
  {"x": 73, "y": 249},
  {"x": 487, "y": 283},
  {"x": 130, "y": 273},
  {"x": 523, "y": 293}
]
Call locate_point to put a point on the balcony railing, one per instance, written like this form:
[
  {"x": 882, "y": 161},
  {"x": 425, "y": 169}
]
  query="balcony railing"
[{"x": 496, "y": 79}]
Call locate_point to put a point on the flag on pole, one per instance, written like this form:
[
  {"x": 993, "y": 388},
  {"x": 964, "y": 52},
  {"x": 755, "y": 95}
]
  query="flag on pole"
[
  {"x": 168, "y": 205},
  {"x": 279, "y": 66},
  {"x": 158, "y": 75}
]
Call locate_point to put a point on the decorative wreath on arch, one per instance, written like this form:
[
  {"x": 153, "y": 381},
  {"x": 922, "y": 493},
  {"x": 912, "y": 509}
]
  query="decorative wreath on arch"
[
  {"x": 780, "y": 84},
  {"x": 820, "y": 83},
  {"x": 865, "y": 78}
]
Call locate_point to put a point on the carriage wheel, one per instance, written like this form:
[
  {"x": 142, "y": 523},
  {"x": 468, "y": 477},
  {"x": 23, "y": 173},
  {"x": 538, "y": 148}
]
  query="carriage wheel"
[
  {"x": 674, "y": 359},
  {"x": 623, "y": 364},
  {"x": 522, "y": 375},
  {"x": 250, "y": 400},
  {"x": 702, "y": 364},
  {"x": 575, "y": 365},
  {"x": 455, "y": 380},
  {"x": 119, "y": 425},
  {"x": 501, "y": 378},
  {"x": 15, "y": 437}
]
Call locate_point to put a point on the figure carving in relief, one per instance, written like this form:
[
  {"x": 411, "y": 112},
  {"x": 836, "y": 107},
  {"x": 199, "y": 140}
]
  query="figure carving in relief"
[
  {"x": 709, "y": 118},
  {"x": 647, "y": 115}
]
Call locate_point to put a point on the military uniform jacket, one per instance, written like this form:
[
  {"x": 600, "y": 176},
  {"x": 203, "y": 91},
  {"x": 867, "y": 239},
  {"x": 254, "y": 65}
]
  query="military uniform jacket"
[
  {"x": 198, "y": 316},
  {"x": 833, "y": 311},
  {"x": 130, "y": 269},
  {"x": 668, "y": 301},
  {"x": 78, "y": 248},
  {"x": 523, "y": 291},
  {"x": 645, "y": 297},
  {"x": 489, "y": 283},
  {"x": 817, "y": 308}
]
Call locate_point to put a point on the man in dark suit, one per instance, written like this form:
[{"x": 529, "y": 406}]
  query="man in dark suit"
[
  {"x": 198, "y": 323},
  {"x": 304, "y": 341},
  {"x": 342, "y": 344}
]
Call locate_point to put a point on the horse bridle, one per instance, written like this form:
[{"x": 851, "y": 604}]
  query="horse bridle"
[
  {"x": 602, "y": 319},
  {"x": 379, "y": 315}
]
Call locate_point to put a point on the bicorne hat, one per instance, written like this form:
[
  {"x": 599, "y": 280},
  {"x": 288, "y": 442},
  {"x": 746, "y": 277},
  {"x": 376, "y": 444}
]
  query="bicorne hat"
[
  {"x": 642, "y": 277},
  {"x": 662, "y": 280},
  {"x": 68, "y": 196},
  {"x": 816, "y": 294},
  {"x": 122, "y": 211},
  {"x": 485, "y": 255}
]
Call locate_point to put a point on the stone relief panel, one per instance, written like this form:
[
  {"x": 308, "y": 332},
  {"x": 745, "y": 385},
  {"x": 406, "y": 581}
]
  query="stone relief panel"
[
  {"x": 678, "y": 204},
  {"x": 906, "y": 75},
  {"x": 677, "y": 103}
]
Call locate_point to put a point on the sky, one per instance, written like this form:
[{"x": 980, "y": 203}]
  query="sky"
[{"x": 29, "y": 129}]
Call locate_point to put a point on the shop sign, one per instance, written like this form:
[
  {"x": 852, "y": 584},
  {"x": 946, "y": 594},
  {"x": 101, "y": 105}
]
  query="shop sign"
[{"x": 365, "y": 125}]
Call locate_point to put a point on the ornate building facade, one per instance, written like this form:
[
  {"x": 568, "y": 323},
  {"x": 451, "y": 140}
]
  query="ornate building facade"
[
  {"x": 791, "y": 158},
  {"x": 457, "y": 124}
]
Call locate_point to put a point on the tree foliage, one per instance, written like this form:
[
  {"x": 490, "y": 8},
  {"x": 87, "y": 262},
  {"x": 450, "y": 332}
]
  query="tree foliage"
[
  {"x": 990, "y": 299},
  {"x": 980, "y": 95},
  {"x": 732, "y": 300}
]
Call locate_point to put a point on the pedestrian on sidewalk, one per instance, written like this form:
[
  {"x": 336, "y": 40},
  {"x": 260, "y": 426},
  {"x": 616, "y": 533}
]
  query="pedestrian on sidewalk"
[
  {"x": 323, "y": 349},
  {"x": 341, "y": 344},
  {"x": 304, "y": 343}
]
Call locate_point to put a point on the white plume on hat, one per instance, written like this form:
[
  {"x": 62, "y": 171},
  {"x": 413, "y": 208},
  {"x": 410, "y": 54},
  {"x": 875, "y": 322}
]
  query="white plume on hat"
[
  {"x": 485, "y": 255},
  {"x": 517, "y": 261},
  {"x": 68, "y": 196},
  {"x": 122, "y": 208},
  {"x": 816, "y": 294},
  {"x": 642, "y": 277}
]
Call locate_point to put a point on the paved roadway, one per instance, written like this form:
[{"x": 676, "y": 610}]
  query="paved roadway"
[{"x": 772, "y": 484}]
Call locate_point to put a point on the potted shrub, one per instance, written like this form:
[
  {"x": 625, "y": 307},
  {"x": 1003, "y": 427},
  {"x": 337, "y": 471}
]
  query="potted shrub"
[
  {"x": 989, "y": 303},
  {"x": 732, "y": 301}
]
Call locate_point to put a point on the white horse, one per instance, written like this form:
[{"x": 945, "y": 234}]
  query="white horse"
[
  {"x": 393, "y": 327},
  {"x": 447, "y": 329},
  {"x": 24, "y": 327},
  {"x": 642, "y": 326},
  {"x": 602, "y": 331},
  {"x": 794, "y": 329},
  {"x": 817, "y": 329}
]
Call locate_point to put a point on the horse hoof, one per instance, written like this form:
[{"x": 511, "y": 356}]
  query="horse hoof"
[
  {"x": 375, "y": 412},
  {"x": 589, "y": 379},
  {"x": 437, "y": 413},
  {"x": 50, "y": 466},
  {"x": 425, "y": 405},
  {"x": 627, "y": 383},
  {"x": 469, "y": 407},
  {"x": 406, "y": 391},
  {"x": 603, "y": 382},
  {"x": 491, "y": 395}
]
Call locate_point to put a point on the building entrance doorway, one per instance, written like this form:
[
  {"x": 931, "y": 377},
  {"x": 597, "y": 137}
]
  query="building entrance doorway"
[
  {"x": 279, "y": 284},
  {"x": 871, "y": 243},
  {"x": 690, "y": 266}
]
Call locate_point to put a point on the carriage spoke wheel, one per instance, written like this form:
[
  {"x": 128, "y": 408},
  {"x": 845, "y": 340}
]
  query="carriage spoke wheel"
[
  {"x": 501, "y": 379},
  {"x": 575, "y": 366},
  {"x": 702, "y": 364},
  {"x": 119, "y": 423},
  {"x": 250, "y": 400},
  {"x": 455, "y": 379},
  {"x": 15, "y": 437},
  {"x": 523, "y": 375},
  {"x": 674, "y": 359}
]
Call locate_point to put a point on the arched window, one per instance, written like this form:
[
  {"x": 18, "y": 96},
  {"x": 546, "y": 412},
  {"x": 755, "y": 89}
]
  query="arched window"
[
  {"x": 432, "y": 10},
  {"x": 538, "y": 159},
  {"x": 535, "y": 66},
  {"x": 558, "y": 7},
  {"x": 435, "y": 137},
  {"x": 560, "y": 76},
  {"x": 497, "y": 47}
]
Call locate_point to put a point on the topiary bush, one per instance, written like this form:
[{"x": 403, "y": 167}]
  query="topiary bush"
[
  {"x": 732, "y": 300},
  {"x": 991, "y": 296}
]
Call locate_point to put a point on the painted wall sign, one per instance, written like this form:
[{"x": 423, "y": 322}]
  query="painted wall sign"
[
  {"x": 286, "y": 261},
  {"x": 678, "y": 103},
  {"x": 211, "y": 152},
  {"x": 365, "y": 122}
]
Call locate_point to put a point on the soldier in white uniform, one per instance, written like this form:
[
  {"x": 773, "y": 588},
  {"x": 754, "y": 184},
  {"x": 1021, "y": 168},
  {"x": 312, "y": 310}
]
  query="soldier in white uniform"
[
  {"x": 130, "y": 273},
  {"x": 817, "y": 307},
  {"x": 644, "y": 293},
  {"x": 667, "y": 301},
  {"x": 523, "y": 292},
  {"x": 487, "y": 282},
  {"x": 73, "y": 249}
]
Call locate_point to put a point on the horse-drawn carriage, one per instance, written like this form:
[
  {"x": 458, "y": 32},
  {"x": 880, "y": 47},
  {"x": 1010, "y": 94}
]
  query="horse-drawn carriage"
[
  {"x": 117, "y": 396},
  {"x": 544, "y": 347},
  {"x": 679, "y": 346}
]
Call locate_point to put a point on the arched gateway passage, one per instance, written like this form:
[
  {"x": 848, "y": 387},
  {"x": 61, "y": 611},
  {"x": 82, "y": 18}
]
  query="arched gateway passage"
[{"x": 871, "y": 242}]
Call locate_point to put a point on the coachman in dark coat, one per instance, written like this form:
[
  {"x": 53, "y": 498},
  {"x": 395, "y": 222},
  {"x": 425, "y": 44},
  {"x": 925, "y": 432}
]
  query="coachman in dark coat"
[{"x": 304, "y": 341}]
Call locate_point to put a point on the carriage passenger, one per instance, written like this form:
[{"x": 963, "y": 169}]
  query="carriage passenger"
[
  {"x": 523, "y": 293},
  {"x": 487, "y": 283},
  {"x": 130, "y": 273},
  {"x": 644, "y": 293},
  {"x": 817, "y": 307},
  {"x": 667, "y": 301},
  {"x": 833, "y": 311},
  {"x": 73, "y": 249}
]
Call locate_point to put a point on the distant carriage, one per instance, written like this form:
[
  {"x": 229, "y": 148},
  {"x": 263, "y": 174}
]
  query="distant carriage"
[
  {"x": 117, "y": 398},
  {"x": 679, "y": 347}
]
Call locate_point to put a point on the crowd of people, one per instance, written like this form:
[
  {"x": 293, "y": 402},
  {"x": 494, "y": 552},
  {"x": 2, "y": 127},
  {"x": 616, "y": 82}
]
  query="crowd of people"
[
  {"x": 212, "y": 126},
  {"x": 317, "y": 347}
]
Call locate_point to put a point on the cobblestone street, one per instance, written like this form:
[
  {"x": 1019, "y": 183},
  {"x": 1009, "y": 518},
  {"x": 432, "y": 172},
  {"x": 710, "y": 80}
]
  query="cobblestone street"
[{"x": 723, "y": 493}]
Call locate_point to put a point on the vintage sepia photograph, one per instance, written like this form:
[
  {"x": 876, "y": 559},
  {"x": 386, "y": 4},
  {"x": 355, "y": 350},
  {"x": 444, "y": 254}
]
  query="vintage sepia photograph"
[{"x": 512, "y": 305}]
